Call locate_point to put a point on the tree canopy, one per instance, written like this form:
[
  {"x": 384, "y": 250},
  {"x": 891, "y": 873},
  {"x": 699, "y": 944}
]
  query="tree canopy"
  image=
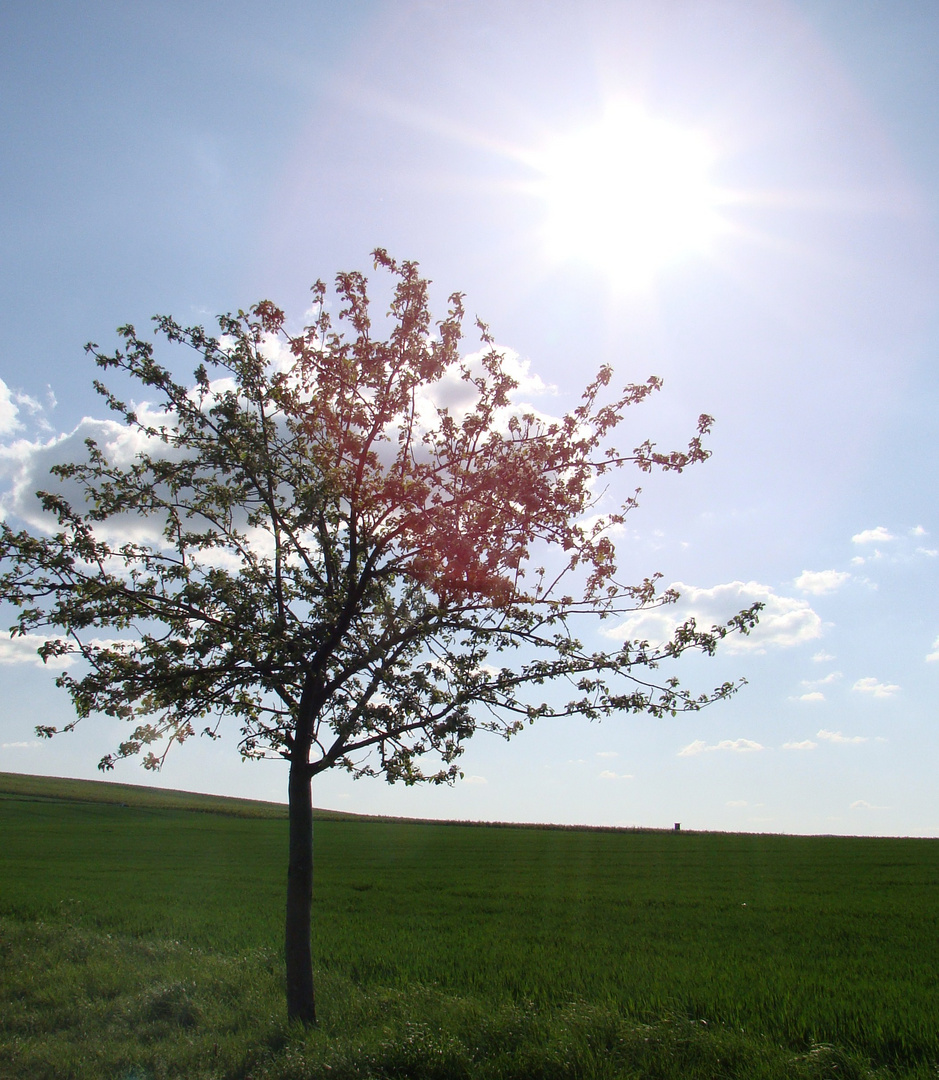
[{"x": 350, "y": 541}]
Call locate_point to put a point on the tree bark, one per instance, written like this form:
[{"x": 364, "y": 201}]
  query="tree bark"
[{"x": 301, "y": 1003}]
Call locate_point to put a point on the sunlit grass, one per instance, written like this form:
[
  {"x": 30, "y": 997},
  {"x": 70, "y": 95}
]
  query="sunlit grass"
[{"x": 140, "y": 942}]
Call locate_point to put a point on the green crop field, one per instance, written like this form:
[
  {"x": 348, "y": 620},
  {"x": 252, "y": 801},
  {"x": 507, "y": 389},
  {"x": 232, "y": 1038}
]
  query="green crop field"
[{"x": 140, "y": 938}]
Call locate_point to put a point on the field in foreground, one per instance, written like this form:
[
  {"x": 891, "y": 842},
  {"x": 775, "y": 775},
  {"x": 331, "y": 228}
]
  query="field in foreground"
[{"x": 140, "y": 939}]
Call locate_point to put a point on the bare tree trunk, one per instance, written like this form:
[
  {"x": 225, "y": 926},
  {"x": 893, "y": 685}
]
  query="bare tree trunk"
[{"x": 301, "y": 1004}]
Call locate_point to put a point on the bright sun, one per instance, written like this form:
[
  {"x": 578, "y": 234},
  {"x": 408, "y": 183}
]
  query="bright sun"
[{"x": 631, "y": 194}]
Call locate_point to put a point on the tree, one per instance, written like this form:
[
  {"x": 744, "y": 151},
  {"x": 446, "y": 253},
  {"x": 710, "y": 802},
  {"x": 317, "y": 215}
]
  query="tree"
[{"x": 322, "y": 551}]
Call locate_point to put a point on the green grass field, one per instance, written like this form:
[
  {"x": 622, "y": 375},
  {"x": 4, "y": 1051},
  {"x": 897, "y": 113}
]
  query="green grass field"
[{"x": 140, "y": 939}]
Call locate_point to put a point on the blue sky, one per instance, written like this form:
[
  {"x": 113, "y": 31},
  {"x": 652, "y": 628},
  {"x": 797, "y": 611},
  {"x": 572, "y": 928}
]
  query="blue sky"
[{"x": 194, "y": 158}]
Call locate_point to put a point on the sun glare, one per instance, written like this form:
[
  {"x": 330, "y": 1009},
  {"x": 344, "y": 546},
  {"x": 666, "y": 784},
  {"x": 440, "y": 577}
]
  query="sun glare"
[{"x": 630, "y": 194}]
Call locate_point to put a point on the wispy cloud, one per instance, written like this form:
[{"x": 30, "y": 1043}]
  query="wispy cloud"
[
  {"x": 827, "y": 680},
  {"x": 901, "y": 549},
  {"x": 738, "y": 746},
  {"x": 863, "y": 804},
  {"x": 15, "y": 405},
  {"x": 20, "y": 745},
  {"x": 608, "y": 774},
  {"x": 805, "y": 744},
  {"x": 812, "y": 692},
  {"x": 8, "y": 411},
  {"x": 838, "y": 739},
  {"x": 876, "y": 688},
  {"x": 820, "y": 582},
  {"x": 932, "y": 657},
  {"x": 607, "y": 753},
  {"x": 475, "y": 780}
]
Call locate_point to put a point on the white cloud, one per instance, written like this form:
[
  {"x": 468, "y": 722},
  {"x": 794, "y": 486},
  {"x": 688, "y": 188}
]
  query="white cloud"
[
  {"x": 819, "y": 582},
  {"x": 25, "y": 464},
  {"x": 458, "y": 396},
  {"x": 822, "y": 657},
  {"x": 517, "y": 366},
  {"x": 928, "y": 552},
  {"x": 784, "y": 621},
  {"x": 934, "y": 655},
  {"x": 739, "y": 746},
  {"x": 608, "y": 775},
  {"x": 839, "y": 739},
  {"x": 872, "y": 536},
  {"x": 697, "y": 747},
  {"x": 871, "y": 685},
  {"x": 607, "y": 753},
  {"x": 918, "y": 530},
  {"x": 20, "y": 745},
  {"x": 602, "y": 522},
  {"x": 23, "y": 649},
  {"x": 863, "y": 804},
  {"x": 736, "y": 802},
  {"x": 475, "y": 780},
  {"x": 812, "y": 695},
  {"x": 806, "y": 744}
]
